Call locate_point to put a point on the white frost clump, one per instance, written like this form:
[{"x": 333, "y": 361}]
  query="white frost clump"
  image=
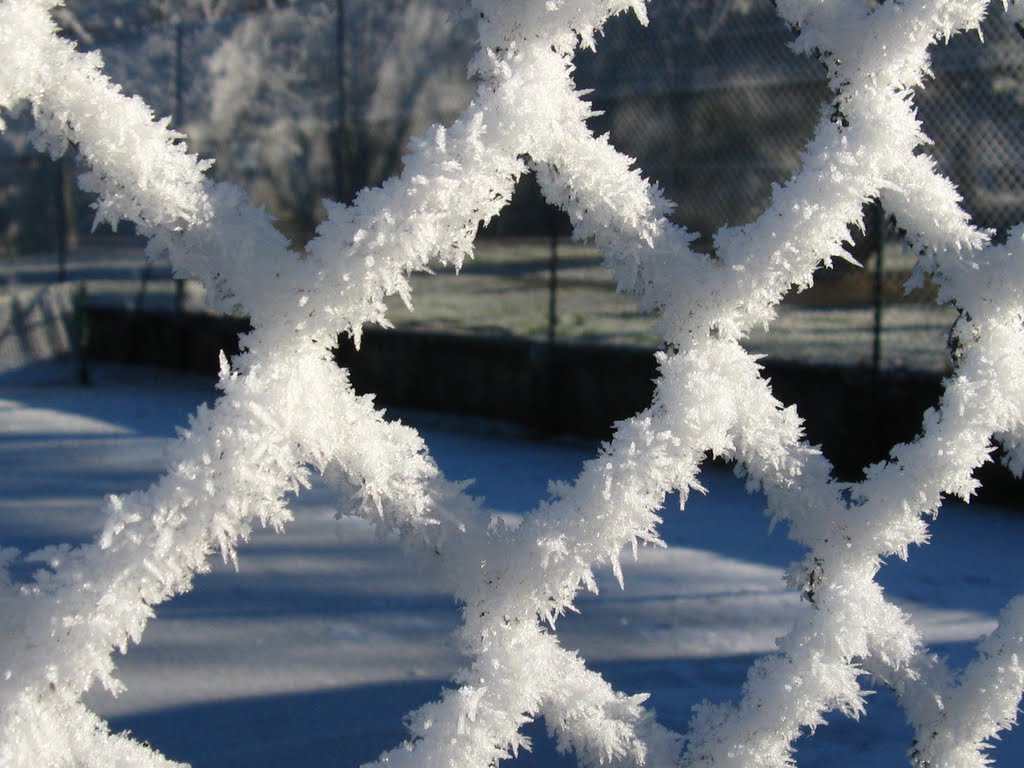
[{"x": 237, "y": 461}]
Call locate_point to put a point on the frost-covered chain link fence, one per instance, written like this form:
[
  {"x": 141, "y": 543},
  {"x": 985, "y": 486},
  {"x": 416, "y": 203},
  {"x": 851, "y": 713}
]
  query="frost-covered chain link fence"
[
  {"x": 708, "y": 97},
  {"x": 318, "y": 98},
  {"x": 287, "y": 410}
]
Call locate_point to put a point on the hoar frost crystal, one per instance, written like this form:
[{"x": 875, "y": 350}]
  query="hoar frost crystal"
[{"x": 238, "y": 460}]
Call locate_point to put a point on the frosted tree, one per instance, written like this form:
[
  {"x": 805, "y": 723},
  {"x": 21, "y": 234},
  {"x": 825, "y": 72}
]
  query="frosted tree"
[
  {"x": 273, "y": 98},
  {"x": 237, "y": 460}
]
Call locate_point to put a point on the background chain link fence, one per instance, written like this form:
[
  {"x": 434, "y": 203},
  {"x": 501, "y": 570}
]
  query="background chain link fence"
[{"x": 318, "y": 98}]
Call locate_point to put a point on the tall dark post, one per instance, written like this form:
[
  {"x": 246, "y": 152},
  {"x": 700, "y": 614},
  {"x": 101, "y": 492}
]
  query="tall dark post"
[
  {"x": 179, "y": 120},
  {"x": 553, "y": 285},
  {"x": 549, "y": 372},
  {"x": 877, "y": 225},
  {"x": 342, "y": 155},
  {"x": 61, "y": 222},
  {"x": 179, "y": 74}
]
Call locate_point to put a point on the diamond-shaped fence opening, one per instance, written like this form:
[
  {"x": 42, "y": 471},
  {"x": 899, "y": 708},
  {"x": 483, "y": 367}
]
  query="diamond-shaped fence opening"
[{"x": 974, "y": 111}]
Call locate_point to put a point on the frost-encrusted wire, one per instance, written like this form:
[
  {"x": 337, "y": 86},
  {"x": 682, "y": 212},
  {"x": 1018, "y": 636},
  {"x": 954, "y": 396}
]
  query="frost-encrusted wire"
[{"x": 237, "y": 460}]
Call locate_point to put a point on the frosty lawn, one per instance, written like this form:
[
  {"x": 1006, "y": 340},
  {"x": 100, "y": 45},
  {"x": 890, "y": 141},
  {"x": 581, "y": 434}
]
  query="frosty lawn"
[
  {"x": 504, "y": 291},
  {"x": 311, "y": 653}
]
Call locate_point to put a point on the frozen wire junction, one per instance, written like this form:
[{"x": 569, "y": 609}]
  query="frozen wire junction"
[{"x": 286, "y": 411}]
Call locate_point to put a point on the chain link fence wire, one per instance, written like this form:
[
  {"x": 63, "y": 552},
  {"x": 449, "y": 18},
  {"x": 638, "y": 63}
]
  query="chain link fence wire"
[
  {"x": 710, "y": 101},
  {"x": 316, "y": 99}
]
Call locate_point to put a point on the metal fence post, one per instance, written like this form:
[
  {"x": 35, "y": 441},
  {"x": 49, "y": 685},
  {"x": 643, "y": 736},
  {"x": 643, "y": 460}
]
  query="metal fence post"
[
  {"x": 179, "y": 119},
  {"x": 62, "y": 221},
  {"x": 553, "y": 285},
  {"x": 342, "y": 176},
  {"x": 877, "y": 226}
]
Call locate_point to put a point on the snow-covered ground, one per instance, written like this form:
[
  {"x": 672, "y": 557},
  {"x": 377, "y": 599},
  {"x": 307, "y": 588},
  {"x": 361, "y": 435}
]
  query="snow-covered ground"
[
  {"x": 314, "y": 649},
  {"x": 505, "y": 291}
]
